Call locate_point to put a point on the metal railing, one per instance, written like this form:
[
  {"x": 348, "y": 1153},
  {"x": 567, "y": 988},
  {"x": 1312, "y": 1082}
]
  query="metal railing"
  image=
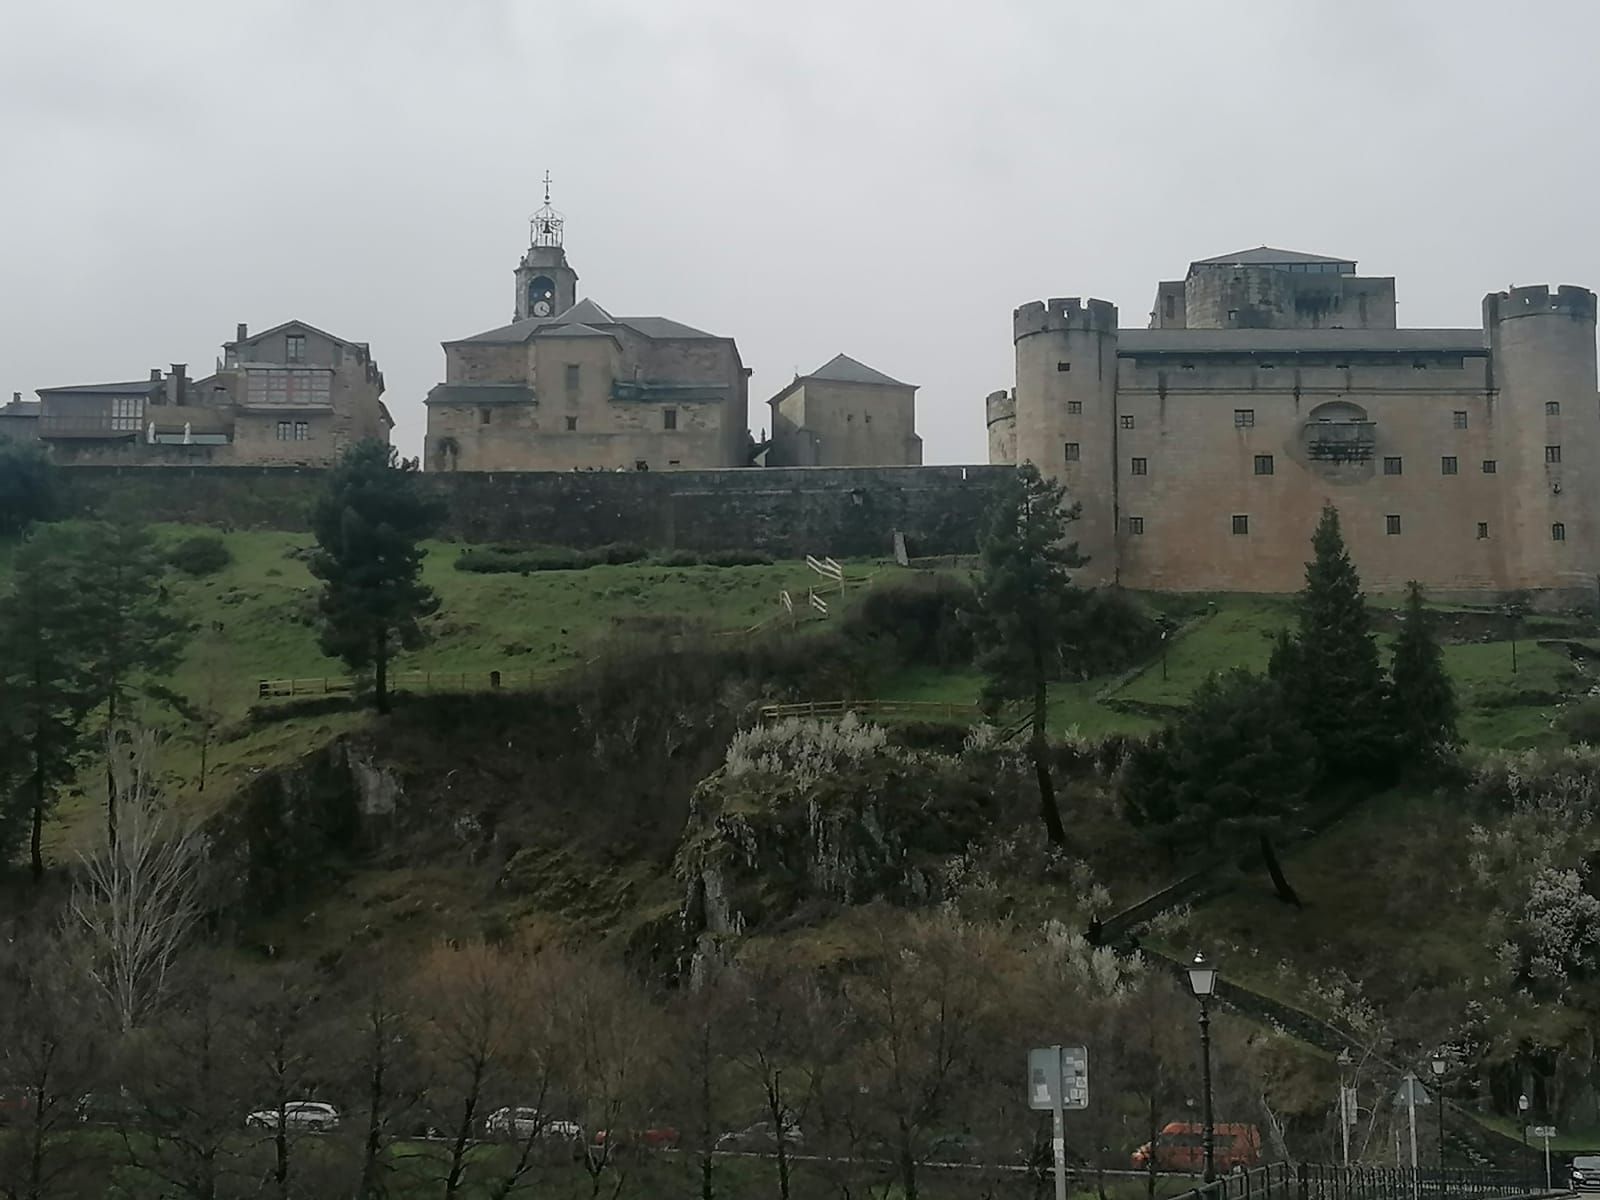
[
  {"x": 875, "y": 708},
  {"x": 1320, "y": 1181}
]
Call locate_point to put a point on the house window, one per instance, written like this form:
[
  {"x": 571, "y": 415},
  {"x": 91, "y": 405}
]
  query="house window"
[
  {"x": 1241, "y": 523},
  {"x": 1489, "y": 466},
  {"x": 1072, "y": 451},
  {"x": 1458, "y": 419},
  {"x": 302, "y": 431},
  {"x": 1392, "y": 523},
  {"x": 1244, "y": 418},
  {"x": 1140, "y": 466},
  {"x": 1063, "y": 366},
  {"x": 1447, "y": 465},
  {"x": 1391, "y": 466},
  {"x": 1263, "y": 464},
  {"x": 285, "y": 430},
  {"x": 296, "y": 343},
  {"x": 572, "y": 424},
  {"x": 1483, "y": 530},
  {"x": 1136, "y": 525},
  {"x": 1074, "y": 407},
  {"x": 669, "y": 418},
  {"x": 1127, "y": 421},
  {"x": 1552, "y": 454},
  {"x": 485, "y": 416},
  {"x": 1552, "y": 408},
  {"x": 1558, "y": 532},
  {"x": 126, "y": 413},
  {"x": 572, "y": 377}
]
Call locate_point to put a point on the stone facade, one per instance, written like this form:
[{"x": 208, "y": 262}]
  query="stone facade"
[
  {"x": 1203, "y": 448},
  {"x": 845, "y": 414},
  {"x": 291, "y": 396},
  {"x": 788, "y": 513},
  {"x": 568, "y": 387}
]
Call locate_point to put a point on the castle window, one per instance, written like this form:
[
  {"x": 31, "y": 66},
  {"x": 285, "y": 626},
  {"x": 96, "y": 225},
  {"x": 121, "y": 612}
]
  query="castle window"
[
  {"x": 1127, "y": 420},
  {"x": 1063, "y": 366},
  {"x": 295, "y": 343},
  {"x": 1268, "y": 366},
  {"x": 1172, "y": 306},
  {"x": 285, "y": 430},
  {"x": 1074, "y": 407},
  {"x": 1241, "y": 523},
  {"x": 669, "y": 418},
  {"x": 572, "y": 424},
  {"x": 1490, "y": 466},
  {"x": 485, "y": 416},
  {"x": 1072, "y": 451},
  {"x": 572, "y": 377},
  {"x": 1447, "y": 465},
  {"x": 1392, "y": 523},
  {"x": 1187, "y": 366},
  {"x": 1552, "y": 454},
  {"x": 1419, "y": 366},
  {"x": 1244, "y": 418},
  {"x": 1558, "y": 532},
  {"x": 1263, "y": 464},
  {"x": 1458, "y": 419},
  {"x": 1136, "y": 525},
  {"x": 1341, "y": 366},
  {"x": 1483, "y": 530},
  {"x": 302, "y": 431},
  {"x": 1233, "y": 314},
  {"x": 674, "y": 462},
  {"x": 1552, "y": 408},
  {"x": 1392, "y": 465},
  {"x": 1140, "y": 466}
]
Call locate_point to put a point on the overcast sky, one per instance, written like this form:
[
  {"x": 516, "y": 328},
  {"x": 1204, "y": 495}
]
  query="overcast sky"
[{"x": 886, "y": 178}]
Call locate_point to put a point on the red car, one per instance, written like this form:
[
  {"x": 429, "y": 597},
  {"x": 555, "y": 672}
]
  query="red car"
[
  {"x": 1181, "y": 1147},
  {"x": 656, "y": 1137}
]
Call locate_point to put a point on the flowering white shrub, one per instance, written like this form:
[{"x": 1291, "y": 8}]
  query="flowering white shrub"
[
  {"x": 1561, "y": 922},
  {"x": 805, "y": 750},
  {"x": 1098, "y": 970}
]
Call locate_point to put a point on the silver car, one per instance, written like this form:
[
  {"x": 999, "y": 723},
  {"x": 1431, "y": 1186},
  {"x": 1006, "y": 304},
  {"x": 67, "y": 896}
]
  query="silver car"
[
  {"x": 311, "y": 1116},
  {"x": 522, "y": 1122},
  {"x": 1585, "y": 1175}
]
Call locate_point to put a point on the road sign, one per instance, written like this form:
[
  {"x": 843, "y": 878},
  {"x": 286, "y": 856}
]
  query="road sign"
[
  {"x": 1412, "y": 1092},
  {"x": 1541, "y": 1131},
  {"x": 1352, "y": 1110},
  {"x": 1058, "y": 1070}
]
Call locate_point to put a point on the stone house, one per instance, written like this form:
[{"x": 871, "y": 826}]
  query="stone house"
[{"x": 845, "y": 414}]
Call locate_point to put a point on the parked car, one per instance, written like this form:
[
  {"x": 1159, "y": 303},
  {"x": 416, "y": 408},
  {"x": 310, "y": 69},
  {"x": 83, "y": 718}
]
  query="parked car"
[
  {"x": 955, "y": 1147},
  {"x": 1585, "y": 1173},
  {"x": 1181, "y": 1147},
  {"x": 519, "y": 1121},
  {"x": 761, "y": 1139},
  {"x": 656, "y": 1137},
  {"x": 309, "y": 1116}
]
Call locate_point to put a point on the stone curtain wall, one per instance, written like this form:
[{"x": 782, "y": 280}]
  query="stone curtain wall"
[{"x": 787, "y": 512}]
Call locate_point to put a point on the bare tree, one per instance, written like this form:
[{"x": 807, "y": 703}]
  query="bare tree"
[
  {"x": 280, "y": 1057},
  {"x": 137, "y": 898},
  {"x": 385, "y": 1074},
  {"x": 705, "y": 1019}
]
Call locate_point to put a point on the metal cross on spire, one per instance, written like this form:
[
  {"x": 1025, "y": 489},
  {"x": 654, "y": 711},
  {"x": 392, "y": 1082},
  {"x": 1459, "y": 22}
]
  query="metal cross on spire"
[{"x": 546, "y": 226}]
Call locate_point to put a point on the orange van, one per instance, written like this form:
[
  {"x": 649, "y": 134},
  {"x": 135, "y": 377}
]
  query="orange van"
[{"x": 1181, "y": 1147}]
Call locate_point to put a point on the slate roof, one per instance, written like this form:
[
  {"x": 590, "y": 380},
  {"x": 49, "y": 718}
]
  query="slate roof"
[
  {"x": 586, "y": 312},
  {"x": 1266, "y": 255},
  {"x": 572, "y": 331},
  {"x": 21, "y": 408},
  {"x": 841, "y": 368},
  {"x": 1284, "y": 341},
  {"x": 253, "y": 337},
  {"x": 479, "y": 393},
  {"x": 140, "y": 387}
]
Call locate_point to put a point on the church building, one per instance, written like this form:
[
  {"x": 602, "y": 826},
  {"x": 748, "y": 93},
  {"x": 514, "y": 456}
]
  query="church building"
[{"x": 568, "y": 386}]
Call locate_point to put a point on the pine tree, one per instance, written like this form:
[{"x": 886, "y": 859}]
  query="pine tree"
[
  {"x": 130, "y": 636},
  {"x": 368, "y": 523},
  {"x": 1422, "y": 700},
  {"x": 45, "y": 679},
  {"x": 1330, "y": 673},
  {"x": 27, "y": 486},
  {"x": 1027, "y": 608}
]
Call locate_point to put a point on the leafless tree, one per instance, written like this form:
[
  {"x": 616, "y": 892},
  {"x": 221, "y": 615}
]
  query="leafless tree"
[
  {"x": 281, "y": 1058},
  {"x": 705, "y": 1026},
  {"x": 383, "y": 1070},
  {"x": 137, "y": 898}
]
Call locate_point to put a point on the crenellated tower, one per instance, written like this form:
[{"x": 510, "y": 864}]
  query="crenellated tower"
[
  {"x": 1066, "y": 418},
  {"x": 1542, "y": 355}
]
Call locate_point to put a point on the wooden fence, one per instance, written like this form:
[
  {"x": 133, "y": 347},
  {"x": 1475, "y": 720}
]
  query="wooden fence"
[
  {"x": 400, "y": 681},
  {"x": 930, "y": 710}
]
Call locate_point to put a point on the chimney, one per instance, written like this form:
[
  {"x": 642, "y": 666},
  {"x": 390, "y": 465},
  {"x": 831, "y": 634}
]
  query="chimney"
[
  {"x": 180, "y": 383},
  {"x": 155, "y": 374},
  {"x": 16, "y": 397},
  {"x": 242, "y": 332}
]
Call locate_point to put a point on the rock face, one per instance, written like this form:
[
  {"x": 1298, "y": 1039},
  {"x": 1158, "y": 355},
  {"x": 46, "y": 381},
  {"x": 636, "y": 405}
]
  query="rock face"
[{"x": 804, "y": 816}]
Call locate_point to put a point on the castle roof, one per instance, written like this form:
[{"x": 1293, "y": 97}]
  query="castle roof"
[
  {"x": 841, "y": 368},
  {"x": 140, "y": 387},
  {"x": 1268, "y": 256},
  {"x": 1132, "y": 342},
  {"x": 479, "y": 393},
  {"x": 309, "y": 328},
  {"x": 589, "y": 313}
]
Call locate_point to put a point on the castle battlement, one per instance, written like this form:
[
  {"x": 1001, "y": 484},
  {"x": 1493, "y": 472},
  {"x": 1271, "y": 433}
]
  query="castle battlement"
[
  {"x": 1061, "y": 314},
  {"x": 1538, "y": 301},
  {"x": 1000, "y": 406}
]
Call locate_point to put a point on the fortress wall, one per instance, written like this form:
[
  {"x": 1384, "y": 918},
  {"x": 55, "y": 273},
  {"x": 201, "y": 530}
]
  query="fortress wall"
[{"x": 787, "y": 512}]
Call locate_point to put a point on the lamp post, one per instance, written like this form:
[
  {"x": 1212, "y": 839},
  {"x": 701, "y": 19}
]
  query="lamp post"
[
  {"x": 1523, "y": 1105},
  {"x": 1438, "y": 1066},
  {"x": 1203, "y": 982}
]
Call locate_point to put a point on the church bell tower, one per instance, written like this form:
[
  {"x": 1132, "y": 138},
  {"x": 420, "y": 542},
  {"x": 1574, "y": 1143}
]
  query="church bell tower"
[{"x": 546, "y": 285}]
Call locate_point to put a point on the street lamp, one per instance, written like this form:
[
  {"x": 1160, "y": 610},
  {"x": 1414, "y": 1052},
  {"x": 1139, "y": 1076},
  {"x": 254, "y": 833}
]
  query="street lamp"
[
  {"x": 1523, "y": 1105},
  {"x": 1438, "y": 1066},
  {"x": 1203, "y": 982}
]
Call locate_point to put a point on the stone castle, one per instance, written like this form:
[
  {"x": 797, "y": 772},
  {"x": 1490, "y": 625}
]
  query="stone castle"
[{"x": 1269, "y": 383}]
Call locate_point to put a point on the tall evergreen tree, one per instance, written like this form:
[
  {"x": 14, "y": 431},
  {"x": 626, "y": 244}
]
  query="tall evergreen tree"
[
  {"x": 45, "y": 680},
  {"x": 131, "y": 638},
  {"x": 1422, "y": 700},
  {"x": 1027, "y": 604},
  {"x": 27, "y": 486},
  {"x": 1330, "y": 671},
  {"x": 369, "y": 521}
]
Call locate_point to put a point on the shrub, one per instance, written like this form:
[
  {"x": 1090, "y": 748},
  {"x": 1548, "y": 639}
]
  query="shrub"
[
  {"x": 715, "y": 558},
  {"x": 200, "y": 554},
  {"x": 1581, "y": 723},
  {"x": 492, "y": 560},
  {"x": 924, "y": 617}
]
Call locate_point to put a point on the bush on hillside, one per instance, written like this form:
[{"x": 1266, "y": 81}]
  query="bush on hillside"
[
  {"x": 924, "y": 617},
  {"x": 513, "y": 560},
  {"x": 714, "y": 558},
  {"x": 27, "y": 486},
  {"x": 200, "y": 554},
  {"x": 1580, "y": 724}
]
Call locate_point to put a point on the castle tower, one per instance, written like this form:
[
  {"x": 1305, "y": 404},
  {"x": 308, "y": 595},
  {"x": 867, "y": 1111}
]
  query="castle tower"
[
  {"x": 546, "y": 285},
  {"x": 1066, "y": 420},
  {"x": 1542, "y": 349},
  {"x": 1000, "y": 412}
]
